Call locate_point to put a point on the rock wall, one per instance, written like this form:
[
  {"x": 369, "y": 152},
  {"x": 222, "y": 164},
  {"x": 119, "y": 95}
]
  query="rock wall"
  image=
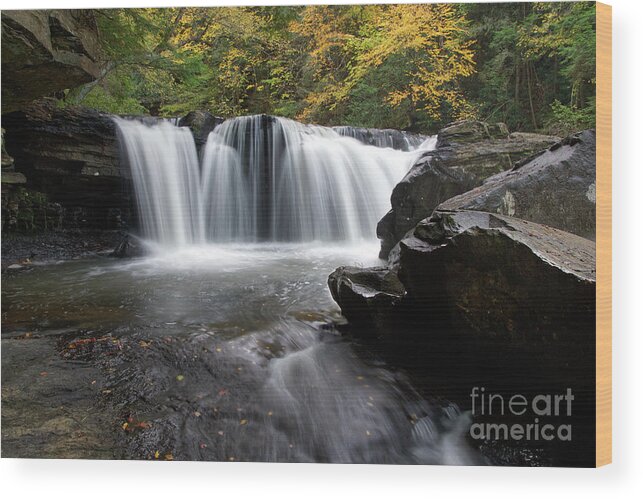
[
  {"x": 46, "y": 51},
  {"x": 70, "y": 155},
  {"x": 468, "y": 152}
]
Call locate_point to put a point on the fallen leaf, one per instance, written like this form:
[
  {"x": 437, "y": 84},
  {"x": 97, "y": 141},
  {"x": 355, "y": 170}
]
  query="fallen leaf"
[
  {"x": 197, "y": 414},
  {"x": 157, "y": 454},
  {"x": 243, "y": 422},
  {"x": 44, "y": 373},
  {"x": 220, "y": 432},
  {"x": 180, "y": 377},
  {"x": 125, "y": 425},
  {"x": 169, "y": 457}
]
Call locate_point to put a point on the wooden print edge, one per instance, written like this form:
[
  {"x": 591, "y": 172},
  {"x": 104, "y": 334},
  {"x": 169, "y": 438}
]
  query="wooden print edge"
[{"x": 603, "y": 234}]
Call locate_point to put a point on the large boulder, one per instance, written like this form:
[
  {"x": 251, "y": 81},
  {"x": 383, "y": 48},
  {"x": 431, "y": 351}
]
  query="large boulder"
[
  {"x": 501, "y": 276},
  {"x": 491, "y": 275},
  {"x": 366, "y": 296},
  {"x": 556, "y": 187},
  {"x": 467, "y": 153},
  {"x": 72, "y": 156},
  {"x": 46, "y": 51}
]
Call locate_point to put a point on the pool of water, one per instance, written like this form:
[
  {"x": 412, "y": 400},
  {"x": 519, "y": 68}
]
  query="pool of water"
[{"x": 216, "y": 352}]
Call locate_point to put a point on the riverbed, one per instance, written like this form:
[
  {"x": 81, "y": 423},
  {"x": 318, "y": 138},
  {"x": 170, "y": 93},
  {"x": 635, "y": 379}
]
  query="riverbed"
[{"x": 214, "y": 352}]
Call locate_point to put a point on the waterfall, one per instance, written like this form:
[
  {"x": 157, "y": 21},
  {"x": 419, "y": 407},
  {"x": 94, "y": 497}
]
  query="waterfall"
[
  {"x": 394, "y": 139},
  {"x": 261, "y": 178}
]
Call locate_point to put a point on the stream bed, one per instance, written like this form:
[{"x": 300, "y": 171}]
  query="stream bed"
[{"x": 214, "y": 352}]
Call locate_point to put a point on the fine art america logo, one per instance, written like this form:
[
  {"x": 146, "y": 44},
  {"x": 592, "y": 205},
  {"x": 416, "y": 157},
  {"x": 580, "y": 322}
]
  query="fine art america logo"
[{"x": 541, "y": 408}]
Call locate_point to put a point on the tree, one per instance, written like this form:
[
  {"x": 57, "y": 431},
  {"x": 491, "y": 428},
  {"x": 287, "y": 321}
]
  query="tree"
[{"x": 347, "y": 45}]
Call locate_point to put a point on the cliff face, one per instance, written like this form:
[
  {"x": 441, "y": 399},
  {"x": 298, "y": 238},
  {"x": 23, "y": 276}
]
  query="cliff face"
[
  {"x": 71, "y": 155},
  {"x": 46, "y": 51}
]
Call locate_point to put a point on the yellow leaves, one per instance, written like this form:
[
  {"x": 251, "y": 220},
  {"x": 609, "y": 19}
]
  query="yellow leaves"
[
  {"x": 168, "y": 456},
  {"x": 345, "y": 48}
]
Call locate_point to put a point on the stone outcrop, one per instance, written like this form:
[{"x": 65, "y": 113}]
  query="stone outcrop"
[
  {"x": 129, "y": 247},
  {"x": 491, "y": 275},
  {"x": 46, "y": 51},
  {"x": 556, "y": 187},
  {"x": 201, "y": 123},
  {"x": 467, "y": 153},
  {"x": 71, "y": 155}
]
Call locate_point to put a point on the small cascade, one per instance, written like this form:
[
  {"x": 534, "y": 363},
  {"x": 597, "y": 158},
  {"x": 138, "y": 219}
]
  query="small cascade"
[
  {"x": 395, "y": 139},
  {"x": 262, "y": 178}
]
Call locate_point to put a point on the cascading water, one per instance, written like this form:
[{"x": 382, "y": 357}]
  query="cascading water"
[
  {"x": 165, "y": 171},
  {"x": 262, "y": 178},
  {"x": 260, "y": 378}
]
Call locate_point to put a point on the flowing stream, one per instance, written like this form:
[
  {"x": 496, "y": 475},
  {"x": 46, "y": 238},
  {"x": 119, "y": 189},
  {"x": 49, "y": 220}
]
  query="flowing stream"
[{"x": 221, "y": 343}]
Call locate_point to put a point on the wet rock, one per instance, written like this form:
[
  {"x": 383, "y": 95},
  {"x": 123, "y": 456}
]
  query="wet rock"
[
  {"x": 467, "y": 154},
  {"x": 201, "y": 123},
  {"x": 129, "y": 247},
  {"x": 491, "y": 275},
  {"x": 366, "y": 296},
  {"x": 46, "y": 51},
  {"x": 55, "y": 245},
  {"x": 556, "y": 187},
  {"x": 49, "y": 405}
]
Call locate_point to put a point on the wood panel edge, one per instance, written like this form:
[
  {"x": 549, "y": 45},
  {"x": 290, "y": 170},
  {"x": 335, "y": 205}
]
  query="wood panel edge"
[{"x": 603, "y": 234}]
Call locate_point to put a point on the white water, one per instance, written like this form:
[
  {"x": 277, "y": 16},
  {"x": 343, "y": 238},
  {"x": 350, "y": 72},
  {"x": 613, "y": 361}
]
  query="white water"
[
  {"x": 307, "y": 396},
  {"x": 261, "y": 178}
]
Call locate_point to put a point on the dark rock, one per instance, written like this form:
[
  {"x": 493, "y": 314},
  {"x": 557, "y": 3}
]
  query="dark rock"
[
  {"x": 366, "y": 296},
  {"x": 486, "y": 275},
  {"x": 72, "y": 156},
  {"x": 13, "y": 178},
  {"x": 201, "y": 123},
  {"x": 501, "y": 276},
  {"x": 129, "y": 247},
  {"x": 46, "y": 51},
  {"x": 467, "y": 154},
  {"x": 54, "y": 245},
  {"x": 462, "y": 132},
  {"x": 556, "y": 187}
]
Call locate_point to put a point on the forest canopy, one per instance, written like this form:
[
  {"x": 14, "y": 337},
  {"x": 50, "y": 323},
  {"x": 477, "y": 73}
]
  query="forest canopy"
[{"x": 412, "y": 66}]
